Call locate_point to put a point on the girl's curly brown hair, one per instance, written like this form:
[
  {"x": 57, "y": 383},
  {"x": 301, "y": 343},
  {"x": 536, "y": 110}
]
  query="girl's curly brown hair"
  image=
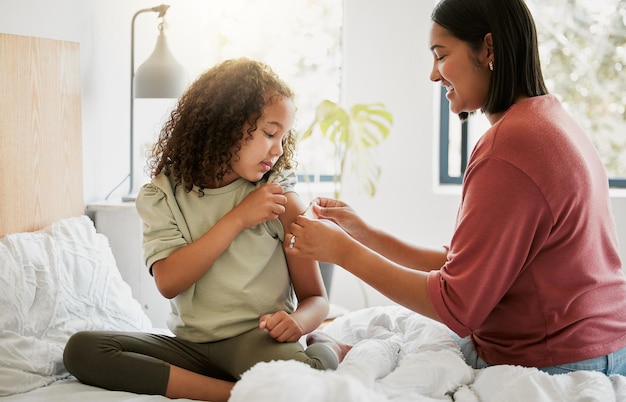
[{"x": 205, "y": 131}]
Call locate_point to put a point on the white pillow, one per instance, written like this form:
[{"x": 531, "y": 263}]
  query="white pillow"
[{"x": 53, "y": 283}]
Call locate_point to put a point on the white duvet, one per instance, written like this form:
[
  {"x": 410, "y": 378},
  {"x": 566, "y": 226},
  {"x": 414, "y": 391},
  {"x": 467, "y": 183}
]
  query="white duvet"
[
  {"x": 401, "y": 356},
  {"x": 398, "y": 356},
  {"x": 63, "y": 279},
  {"x": 53, "y": 283}
]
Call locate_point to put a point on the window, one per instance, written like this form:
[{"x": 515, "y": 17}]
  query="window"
[
  {"x": 582, "y": 47},
  {"x": 299, "y": 39}
]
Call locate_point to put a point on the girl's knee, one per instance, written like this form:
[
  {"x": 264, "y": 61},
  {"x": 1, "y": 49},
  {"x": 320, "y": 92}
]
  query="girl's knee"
[{"x": 80, "y": 353}]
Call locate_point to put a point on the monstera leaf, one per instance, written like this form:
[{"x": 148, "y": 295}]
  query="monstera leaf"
[{"x": 355, "y": 135}]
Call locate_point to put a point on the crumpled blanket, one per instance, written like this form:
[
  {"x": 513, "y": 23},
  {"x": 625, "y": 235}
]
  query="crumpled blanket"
[
  {"x": 55, "y": 282},
  {"x": 401, "y": 356}
]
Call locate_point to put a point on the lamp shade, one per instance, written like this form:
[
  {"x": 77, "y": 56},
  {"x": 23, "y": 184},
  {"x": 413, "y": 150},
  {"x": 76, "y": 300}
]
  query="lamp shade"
[{"x": 160, "y": 76}]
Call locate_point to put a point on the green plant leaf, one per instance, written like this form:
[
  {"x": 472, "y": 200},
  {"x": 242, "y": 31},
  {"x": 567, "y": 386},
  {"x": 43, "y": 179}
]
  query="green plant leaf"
[{"x": 355, "y": 136}]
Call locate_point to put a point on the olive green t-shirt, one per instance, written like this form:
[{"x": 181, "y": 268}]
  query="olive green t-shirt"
[{"x": 248, "y": 280}]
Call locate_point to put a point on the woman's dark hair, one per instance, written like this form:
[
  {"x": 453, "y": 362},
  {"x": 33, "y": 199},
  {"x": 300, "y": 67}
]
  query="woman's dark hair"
[
  {"x": 516, "y": 66},
  {"x": 205, "y": 130}
]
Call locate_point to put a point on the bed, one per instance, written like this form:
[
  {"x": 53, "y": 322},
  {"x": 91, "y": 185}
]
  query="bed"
[{"x": 59, "y": 276}]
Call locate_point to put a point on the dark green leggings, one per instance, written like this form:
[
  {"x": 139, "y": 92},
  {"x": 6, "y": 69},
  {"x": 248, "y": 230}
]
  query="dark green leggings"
[{"x": 140, "y": 362}]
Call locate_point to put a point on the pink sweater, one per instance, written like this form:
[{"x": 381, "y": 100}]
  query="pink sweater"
[{"x": 533, "y": 272}]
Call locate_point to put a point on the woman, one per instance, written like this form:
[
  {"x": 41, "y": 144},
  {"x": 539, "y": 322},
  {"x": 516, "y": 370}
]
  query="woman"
[{"x": 532, "y": 275}]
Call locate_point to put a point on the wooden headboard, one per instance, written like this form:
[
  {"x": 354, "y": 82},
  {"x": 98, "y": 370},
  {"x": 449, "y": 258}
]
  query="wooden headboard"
[{"x": 40, "y": 133}]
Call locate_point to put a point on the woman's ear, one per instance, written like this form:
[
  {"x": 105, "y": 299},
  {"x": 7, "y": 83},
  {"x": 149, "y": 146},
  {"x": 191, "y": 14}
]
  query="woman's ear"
[{"x": 488, "y": 42}]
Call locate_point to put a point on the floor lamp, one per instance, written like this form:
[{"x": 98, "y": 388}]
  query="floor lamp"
[{"x": 160, "y": 76}]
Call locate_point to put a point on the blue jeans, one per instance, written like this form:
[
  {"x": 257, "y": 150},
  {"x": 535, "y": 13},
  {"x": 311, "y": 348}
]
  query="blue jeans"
[{"x": 613, "y": 363}]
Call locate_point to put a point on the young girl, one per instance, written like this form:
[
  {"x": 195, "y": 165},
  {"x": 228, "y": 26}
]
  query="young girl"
[{"x": 214, "y": 217}]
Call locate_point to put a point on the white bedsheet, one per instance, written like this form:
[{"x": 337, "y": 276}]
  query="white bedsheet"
[
  {"x": 63, "y": 279},
  {"x": 398, "y": 356},
  {"x": 401, "y": 356},
  {"x": 71, "y": 390}
]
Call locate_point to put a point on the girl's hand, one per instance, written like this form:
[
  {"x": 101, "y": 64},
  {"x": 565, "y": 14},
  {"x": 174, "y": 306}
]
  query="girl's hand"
[
  {"x": 281, "y": 326},
  {"x": 264, "y": 204}
]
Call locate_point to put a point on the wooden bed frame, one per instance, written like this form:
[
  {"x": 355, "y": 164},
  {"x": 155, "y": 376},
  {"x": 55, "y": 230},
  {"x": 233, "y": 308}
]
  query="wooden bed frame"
[{"x": 40, "y": 133}]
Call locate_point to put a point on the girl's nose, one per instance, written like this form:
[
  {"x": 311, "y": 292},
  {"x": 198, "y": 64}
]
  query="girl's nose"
[{"x": 277, "y": 149}]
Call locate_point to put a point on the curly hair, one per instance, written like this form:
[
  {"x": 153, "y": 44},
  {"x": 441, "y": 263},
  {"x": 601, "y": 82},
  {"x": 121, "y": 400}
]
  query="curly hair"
[{"x": 205, "y": 131}]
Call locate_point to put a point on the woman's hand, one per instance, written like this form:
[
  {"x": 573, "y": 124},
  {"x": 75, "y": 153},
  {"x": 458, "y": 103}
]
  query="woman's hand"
[
  {"x": 264, "y": 204},
  {"x": 281, "y": 326},
  {"x": 343, "y": 215},
  {"x": 318, "y": 239}
]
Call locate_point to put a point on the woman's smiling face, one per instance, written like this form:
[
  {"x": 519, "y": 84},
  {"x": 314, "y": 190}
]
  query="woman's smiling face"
[{"x": 462, "y": 71}]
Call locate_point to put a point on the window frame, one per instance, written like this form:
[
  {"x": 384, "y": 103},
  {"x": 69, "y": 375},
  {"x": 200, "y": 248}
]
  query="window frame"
[{"x": 444, "y": 141}]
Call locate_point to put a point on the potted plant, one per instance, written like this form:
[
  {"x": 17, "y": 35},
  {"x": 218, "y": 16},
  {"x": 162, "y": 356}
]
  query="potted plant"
[{"x": 355, "y": 134}]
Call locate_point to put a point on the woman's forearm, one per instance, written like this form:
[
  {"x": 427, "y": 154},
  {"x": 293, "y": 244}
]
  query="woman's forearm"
[
  {"x": 405, "y": 286},
  {"x": 404, "y": 253}
]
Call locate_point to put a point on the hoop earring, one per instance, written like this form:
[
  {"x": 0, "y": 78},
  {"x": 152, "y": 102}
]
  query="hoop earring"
[{"x": 491, "y": 65}]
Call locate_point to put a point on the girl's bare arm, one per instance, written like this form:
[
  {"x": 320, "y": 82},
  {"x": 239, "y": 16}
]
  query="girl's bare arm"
[{"x": 186, "y": 265}]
